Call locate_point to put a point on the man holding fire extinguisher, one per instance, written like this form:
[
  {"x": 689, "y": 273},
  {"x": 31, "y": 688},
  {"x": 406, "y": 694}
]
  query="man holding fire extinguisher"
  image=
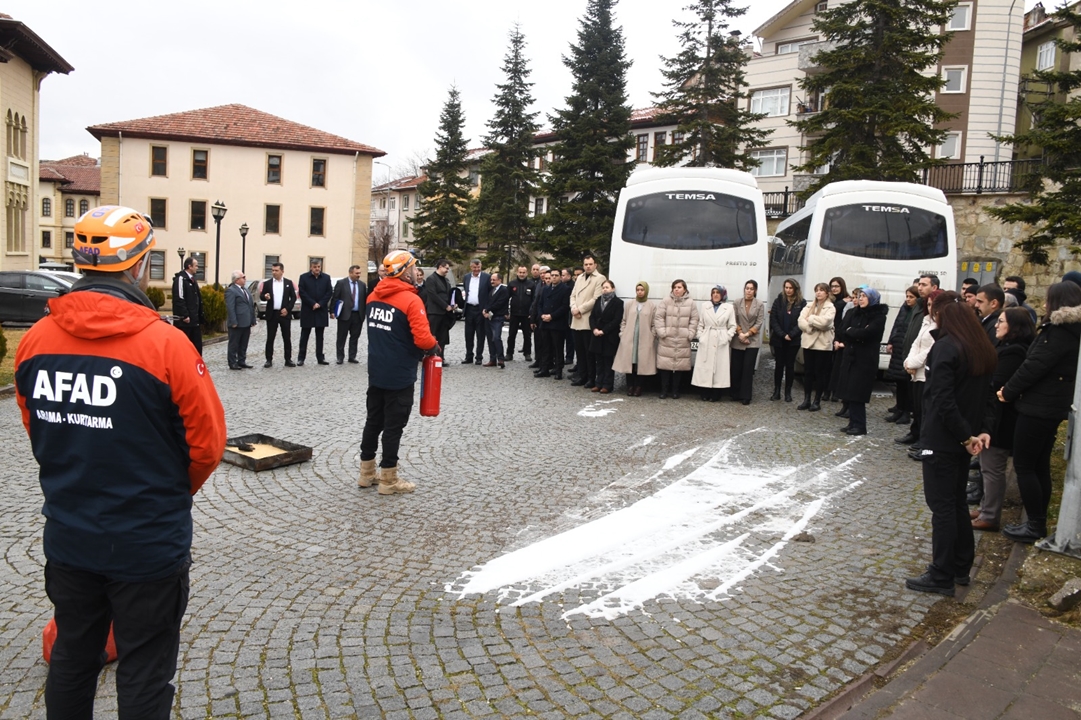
[{"x": 398, "y": 337}]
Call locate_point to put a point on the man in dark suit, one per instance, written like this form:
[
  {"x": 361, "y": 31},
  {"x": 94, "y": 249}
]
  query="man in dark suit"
[
  {"x": 188, "y": 303},
  {"x": 990, "y": 300},
  {"x": 347, "y": 303},
  {"x": 313, "y": 289},
  {"x": 240, "y": 310},
  {"x": 496, "y": 311},
  {"x": 436, "y": 293},
  {"x": 280, "y": 297},
  {"x": 521, "y": 289},
  {"x": 553, "y": 308},
  {"x": 477, "y": 285}
]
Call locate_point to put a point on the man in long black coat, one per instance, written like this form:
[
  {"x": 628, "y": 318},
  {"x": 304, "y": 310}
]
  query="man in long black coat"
[
  {"x": 314, "y": 290},
  {"x": 436, "y": 293},
  {"x": 188, "y": 303}
]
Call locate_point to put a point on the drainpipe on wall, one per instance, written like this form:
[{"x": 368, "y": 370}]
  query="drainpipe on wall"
[
  {"x": 1002, "y": 94},
  {"x": 119, "y": 165},
  {"x": 353, "y": 215}
]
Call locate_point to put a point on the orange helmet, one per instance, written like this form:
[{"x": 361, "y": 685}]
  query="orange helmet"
[
  {"x": 111, "y": 238},
  {"x": 398, "y": 262}
]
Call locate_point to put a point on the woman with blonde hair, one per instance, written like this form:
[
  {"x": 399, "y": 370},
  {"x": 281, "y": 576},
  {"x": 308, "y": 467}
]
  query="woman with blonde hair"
[
  {"x": 637, "y": 353},
  {"x": 675, "y": 323},
  {"x": 716, "y": 326},
  {"x": 816, "y": 325}
]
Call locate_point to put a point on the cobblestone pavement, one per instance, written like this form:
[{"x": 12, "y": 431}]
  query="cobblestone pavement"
[{"x": 313, "y": 599}]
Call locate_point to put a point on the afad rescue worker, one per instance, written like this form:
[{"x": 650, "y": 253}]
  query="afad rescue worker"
[
  {"x": 126, "y": 426},
  {"x": 398, "y": 337}
]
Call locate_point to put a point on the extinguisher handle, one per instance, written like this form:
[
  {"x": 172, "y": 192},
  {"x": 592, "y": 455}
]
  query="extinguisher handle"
[{"x": 434, "y": 350}]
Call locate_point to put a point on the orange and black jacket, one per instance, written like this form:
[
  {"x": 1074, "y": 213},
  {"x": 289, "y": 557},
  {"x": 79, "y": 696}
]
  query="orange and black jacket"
[
  {"x": 126, "y": 426},
  {"x": 397, "y": 334}
]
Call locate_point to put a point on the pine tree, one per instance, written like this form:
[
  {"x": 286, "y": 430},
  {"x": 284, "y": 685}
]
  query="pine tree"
[
  {"x": 1056, "y": 130},
  {"x": 502, "y": 210},
  {"x": 705, "y": 96},
  {"x": 879, "y": 113},
  {"x": 440, "y": 223},
  {"x": 593, "y": 138}
]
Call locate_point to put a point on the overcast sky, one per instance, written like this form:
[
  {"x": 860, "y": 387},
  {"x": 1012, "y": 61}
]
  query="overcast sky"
[{"x": 373, "y": 72}]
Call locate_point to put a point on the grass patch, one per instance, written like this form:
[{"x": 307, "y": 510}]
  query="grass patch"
[{"x": 7, "y": 366}]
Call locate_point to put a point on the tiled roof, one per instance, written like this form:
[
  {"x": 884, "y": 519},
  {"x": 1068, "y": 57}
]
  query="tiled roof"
[
  {"x": 80, "y": 178},
  {"x": 640, "y": 117},
  {"x": 83, "y": 160},
  {"x": 234, "y": 125},
  {"x": 16, "y": 38},
  {"x": 404, "y": 183}
]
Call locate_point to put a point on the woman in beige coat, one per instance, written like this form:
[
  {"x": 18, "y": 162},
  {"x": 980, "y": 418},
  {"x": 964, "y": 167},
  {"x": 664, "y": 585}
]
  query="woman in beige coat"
[
  {"x": 750, "y": 320},
  {"x": 716, "y": 326},
  {"x": 816, "y": 322},
  {"x": 675, "y": 323},
  {"x": 637, "y": 353}
]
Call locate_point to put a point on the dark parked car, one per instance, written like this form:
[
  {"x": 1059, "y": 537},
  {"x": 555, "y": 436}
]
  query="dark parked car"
[{"x": 24, "y": 294}]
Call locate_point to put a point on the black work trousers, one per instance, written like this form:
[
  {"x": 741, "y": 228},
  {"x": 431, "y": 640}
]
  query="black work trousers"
[
  {"x": 817, "y": 365},
  {"x": 785, "y": 359},
  {"x": 238, "y": 345},
  {"x": 476, "y": 330},
  {"x": 146, "y": 619},
  {"x": 587, "y": 361},
  {"x": 348, "y": 329},
  {"x": 388, "y": 414},
  {"x": 305, "y": 332},
  {"x": 1033, "y": 443},
  {"x": 516, "y": 322},
  {"x": 953, "y": 546},
  {"x": 275, "y": 321},
  {"x": 195, "y": 333},
  {"x": 743, "y": 362},
  {"x": 552, "y": 348}
]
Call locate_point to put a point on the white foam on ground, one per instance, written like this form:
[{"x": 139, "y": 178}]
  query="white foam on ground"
[{"x": 595, "y": 411}]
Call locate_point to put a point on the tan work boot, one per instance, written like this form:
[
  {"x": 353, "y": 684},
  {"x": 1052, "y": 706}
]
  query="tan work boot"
[
  {"x": 367, "y": 474},
  {"x": 390, "y": 483}
]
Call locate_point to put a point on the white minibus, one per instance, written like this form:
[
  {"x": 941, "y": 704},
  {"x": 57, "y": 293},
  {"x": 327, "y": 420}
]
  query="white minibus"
[{"x": 881, "y": 234}]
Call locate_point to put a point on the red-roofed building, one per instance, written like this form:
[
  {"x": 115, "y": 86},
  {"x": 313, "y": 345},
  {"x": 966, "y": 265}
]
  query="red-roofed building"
[
  {"x": 25, "y": 60},
  {"x": 302, "y": 193},
  {"x": 66, "y": 189}
]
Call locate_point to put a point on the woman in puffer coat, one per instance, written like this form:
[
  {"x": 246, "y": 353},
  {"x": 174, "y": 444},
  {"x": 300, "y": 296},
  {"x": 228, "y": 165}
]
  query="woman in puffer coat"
[
  {"x": 862, "y": 335},
  {"x": 816, "y": 324},
  {"x": 675, "y": 323},
  {"x": 1042, "y": 391},
  {"x": 716, "y": 326},
  {"x": 902, "y": 408}
]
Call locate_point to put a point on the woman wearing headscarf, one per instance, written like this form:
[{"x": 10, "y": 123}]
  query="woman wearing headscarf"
[
  {"x": 1042, "y": 389},
  {"x": 750, "y": 315},
  {"x": 784, "y": 337},
  {"x": 604, "y": 321},
  {"x": 816, "y": 324},
  {"x": 956, "y": 421},
  {"x": 860, "y": 338},
  {"x": 637, "y": 353},
  {"x": 716, "y": 326},
  {"x": 675, "y": 324}
]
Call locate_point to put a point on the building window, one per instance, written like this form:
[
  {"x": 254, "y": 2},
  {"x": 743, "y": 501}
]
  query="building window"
[
  {"x": 316, "y": 225},
  {"x": 159, "y": 161},
  {"x": 961, "y": 18},
  {"x": 382, "y": 203},
  {"x": 822, "y": 6},
  {"x": 46, "y": 207},
  {"x": 772, "y": 163},
  {"x": 84, "y": 207},
  {"x": 538, "y": 207},
  {"x": 405, "y": 203},
  {"x": 955, "y": 79},
  {"x": 199, "y": 162},
  {"x": 1045, "y": 56},
  {"x": 543, "y": 164},
  {"x": 392, "y": 203},
  {"x": 771, "y": 103},
  {"x": 319, "y": 172},
  {"x": 405, "y": 229},
  {"x": 793, "y": 46},
  {"x": 16, "y": 135},
  {"x": 642, "y": 153},
  {"x": 274, "y": 169},
  {"x": 46, "y": 239},
  {"x": 69, "y": 208},
  {"x": 677, "y": 137},
  {"x": 198, "y": 215},
  {"x": 157, "y": 212},
  {"x": 272, "y": 220},
  {"x": 950, "y": 149},
  {"x": 69, "y": 239},
  {"x": 157, "y": 264},
  {"x": 268, "y": 264},
  {"x": 659, "y": 140},
  {"x": 201, "y": 258},
  {"x": 474, "y": 177}
]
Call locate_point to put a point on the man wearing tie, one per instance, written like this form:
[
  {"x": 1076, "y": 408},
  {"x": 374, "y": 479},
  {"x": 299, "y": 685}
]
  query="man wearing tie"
[
  {"x": 495, "y": 312},
  {"x": 348, "y": 305},
  {"x": 477, "y": 286},
  {"x": 240, "y": 308},
  {"x": 280, "y": 297}
]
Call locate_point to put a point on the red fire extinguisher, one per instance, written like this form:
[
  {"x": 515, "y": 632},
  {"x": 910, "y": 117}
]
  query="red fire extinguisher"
[{"x": 431, "y": 380}]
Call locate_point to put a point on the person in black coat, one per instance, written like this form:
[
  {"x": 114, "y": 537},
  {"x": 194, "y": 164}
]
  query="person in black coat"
[
  {"x": 188, "y": 303},
  {"x": 841, "y": 302},
  {"x": 348, "y": 304},
  {"x": 957, "y": 417},
  {"x": 896, "y": 373},
  {"x": 544, "y": 284},
  {"x": 553, "y": 309},
  {"x": 521, "y": 299},
  {"x": 496, "y": 309},
  {"x": 1014, "y": 332},
  {"x": 861, "y": 335},
  {"x": 604, "y": 321},
  {"x": 314, "y": 290},
  {"x": 436, "y": 293},
  {"x": 1042, "y": 390},
  {"x": 784, "y": 337}
]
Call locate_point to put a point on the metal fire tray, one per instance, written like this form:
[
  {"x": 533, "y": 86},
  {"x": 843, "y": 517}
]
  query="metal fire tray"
[{"x": 266, "y": 452}]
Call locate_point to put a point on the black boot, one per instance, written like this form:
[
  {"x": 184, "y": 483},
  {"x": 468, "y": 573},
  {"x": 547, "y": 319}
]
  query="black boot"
[
  {"x": 806, "y": 404},
  {"x": 843, "y": 412},
  {"x": 788, "y": 393},
  {"x": 817, "y": 404},
  {"x": 776, "y": 392}
]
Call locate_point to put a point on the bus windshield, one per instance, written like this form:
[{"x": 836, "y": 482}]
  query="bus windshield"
[
  {"x": 690, "y": 220},
  {"x": 885, "y": 232}
]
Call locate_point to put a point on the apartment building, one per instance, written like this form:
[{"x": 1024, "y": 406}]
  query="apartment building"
[
  {"x": 300, "y": 193},
  {"x": 25, "y": 61},
  {"x": 393, "y": 205},
  {"x": 980, "y": 66},
  {"x": 66, "y": 189},
  {"x": 1039, "y": 52}
]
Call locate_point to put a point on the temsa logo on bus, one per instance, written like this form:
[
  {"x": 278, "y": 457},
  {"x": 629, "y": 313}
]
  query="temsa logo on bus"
[
  {"x": 886, "y": 209},
  {"x": 690, "y": 196}
]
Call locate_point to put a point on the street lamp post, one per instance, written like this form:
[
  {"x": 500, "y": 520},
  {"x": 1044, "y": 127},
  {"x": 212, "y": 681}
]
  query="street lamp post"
[
  {"x": 180, "y": 254},
  {"x": 243, "y": 245},
  {"x": 218, "y": 211}
]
